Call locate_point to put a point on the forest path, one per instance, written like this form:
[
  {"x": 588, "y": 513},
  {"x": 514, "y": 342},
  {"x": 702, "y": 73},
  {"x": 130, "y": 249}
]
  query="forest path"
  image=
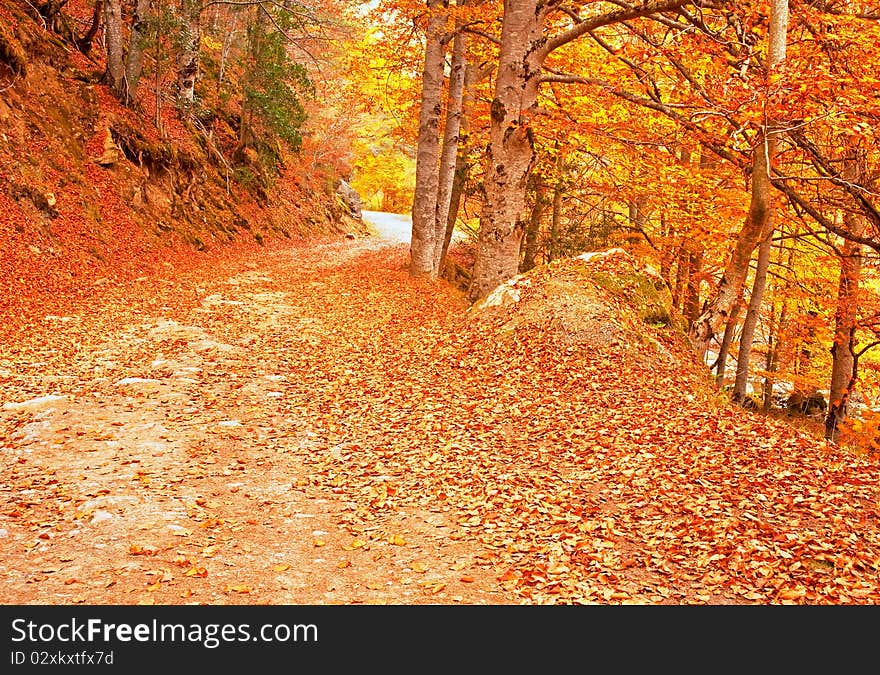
[
  {"x": 228, "y": 435},
  {"x": 306, "y": 424}
]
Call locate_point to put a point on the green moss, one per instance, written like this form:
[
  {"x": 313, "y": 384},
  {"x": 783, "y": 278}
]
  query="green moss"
[{"x": 641, "y": 291}]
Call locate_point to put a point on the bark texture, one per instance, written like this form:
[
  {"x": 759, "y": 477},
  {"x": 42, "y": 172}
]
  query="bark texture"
[
  {"x": 843, "y": 356},
  {"x": 137, "y": 44},
  {"x": 747, "y": 337},
  {"x": 511, "y": 152},
  {"x": 424, "y": 211},
  {"x": 115, "y": 73},
  {"x": 188, "y": 56},
  {"x": 449, "y": 153}
]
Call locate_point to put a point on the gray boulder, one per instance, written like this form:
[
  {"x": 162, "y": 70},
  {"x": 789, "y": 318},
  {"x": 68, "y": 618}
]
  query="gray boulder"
[{"x": 350, "y": 198}]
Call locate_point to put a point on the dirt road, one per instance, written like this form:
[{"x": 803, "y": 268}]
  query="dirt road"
[{"x": 197, "y": 439}]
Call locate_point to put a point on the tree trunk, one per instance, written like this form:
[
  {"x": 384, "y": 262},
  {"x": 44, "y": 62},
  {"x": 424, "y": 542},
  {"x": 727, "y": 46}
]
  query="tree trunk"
[
  {"x": 555, "y": 247},
  {"x": 845, "y": 317},
  {"x": 188, "y": 56},
  {"x": 723, "y": 353},
  {"x": 462, "y": 169},
  {"x": 717, "y": 311},
  {"x": 137, "y": 44},
  {"x": 695, "y": 276},
  {"x": 472, "y": 75},
  {"x": 774, "y": 347},
  {"x": 668, "y": 255},
  {"x": 639, "y": 212},
  {"x": 530, "y": 253},
  {"x": 84, "y": 44},
  {"x": 424, "y": 210},
  {"x": 449, "y": 154},
  {"x": 747, "y": 336},
  {"x": 511, "y": 152},
  {"x": 115, "y": 73},
  {"x": 682, "y": 272},
  {"x": 775, "y": 335}
]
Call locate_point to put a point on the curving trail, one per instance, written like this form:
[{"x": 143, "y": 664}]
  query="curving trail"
[
  {"x": 305, "y": 424},
  {"x": 193, "y": 441}
]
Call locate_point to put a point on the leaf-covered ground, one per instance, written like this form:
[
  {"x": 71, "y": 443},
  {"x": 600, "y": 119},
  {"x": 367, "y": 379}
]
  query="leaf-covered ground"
[{"x": 306, "y": 424}]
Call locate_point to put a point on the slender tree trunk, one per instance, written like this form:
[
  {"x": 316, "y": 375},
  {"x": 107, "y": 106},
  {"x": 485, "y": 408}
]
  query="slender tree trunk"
[
  {"x": 695, "y": 277},
  {"x": 115, "y": 73},
  {"x": 682, "y": 273},
  {"x": 774, "y": 347},
  {"x": 639, "y": 212},
  {"x": 776, "y": 334},
  {"x": 424, "y": 210},
  {"x": 716, "y": 313},
  {"x": 845, "y": 323},
  {"x": 747, "y": 336},
  {"x": 137, "y": 44},
  {"x": 473, "y": 74},
  {"x": 451, "y": 132},
  {"x": 555, "y": 246},
  {"x": 724, "y": 352},
  {"x": 84, "y": 44},
  {"x": 668, "y": 249},
  {"x": 530, "y": 253},
  {"x": 462, "y": 169}
]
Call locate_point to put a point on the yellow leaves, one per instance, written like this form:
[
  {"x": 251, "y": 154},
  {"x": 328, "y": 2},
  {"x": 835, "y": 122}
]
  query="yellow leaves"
[
  {"x": 281, "y": 567},
  {"x": 137, "y": 549},
  {"x": 396, "y": 540},
  {"x": 343, "y": 564},
  {"x": 211, "y": 43},
  {"x": 433, "y": 586},
  {"x": 199, "y": 572},
  {"x": 238, "y": 588},
  {"x": 318, "y": 543}
]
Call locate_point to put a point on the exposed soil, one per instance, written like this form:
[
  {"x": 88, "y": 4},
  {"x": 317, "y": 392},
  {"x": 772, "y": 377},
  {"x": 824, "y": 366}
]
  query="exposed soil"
[{"x": 181, "y": 449}]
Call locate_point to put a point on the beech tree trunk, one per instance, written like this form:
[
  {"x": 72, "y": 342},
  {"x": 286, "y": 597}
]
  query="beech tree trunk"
[
  {"x": 424, "y": 210},
  {"x": 718, "y": 309},
  {"x": 511, "y": 152},
  {"x": 472, "y": 75},
  {"x": 449, "y": 154},
  {"x": 747, "y": 336},
  {"x": 682, "y": 272},
  {"x": 115, "y": 72}
]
